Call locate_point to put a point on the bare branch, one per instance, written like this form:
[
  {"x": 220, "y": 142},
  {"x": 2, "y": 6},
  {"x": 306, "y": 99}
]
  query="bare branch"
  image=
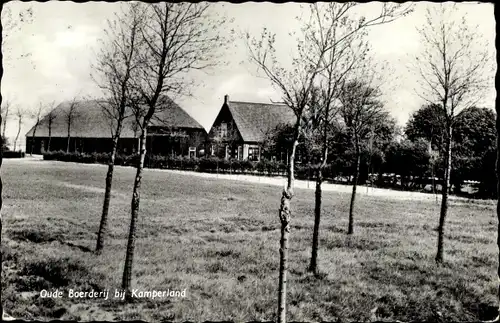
[{"x": 455, "y": 67}]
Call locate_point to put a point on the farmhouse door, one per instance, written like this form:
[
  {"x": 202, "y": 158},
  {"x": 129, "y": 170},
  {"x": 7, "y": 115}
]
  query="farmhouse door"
[{"x": 192, "y": 152}]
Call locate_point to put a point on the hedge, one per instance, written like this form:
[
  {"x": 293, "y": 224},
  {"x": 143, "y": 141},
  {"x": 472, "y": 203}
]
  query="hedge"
[
  {"x": 13, "y": 154},
  {"x": 210, "y": 165},
  {"x": 205, "y": 164}
]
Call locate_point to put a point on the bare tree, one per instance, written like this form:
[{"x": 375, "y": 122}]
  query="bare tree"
[
  {"x": 50, "y": 117},
  {"x": 10, "y": 24},
  {"x": 37, "y": 115},
  {"x": 20, "y": 114},
  {"x": 5, "y": 115},
  {"x": 116, "y": 62},
  {"x": 454, "y": 69},
  {"x": 338, "y": 62},
  {"x": 70, "y": 115},
  {"x": 361, "y": 111},
  {"x": 177, "y": 38},
  {"x": 296, "y": 86}
]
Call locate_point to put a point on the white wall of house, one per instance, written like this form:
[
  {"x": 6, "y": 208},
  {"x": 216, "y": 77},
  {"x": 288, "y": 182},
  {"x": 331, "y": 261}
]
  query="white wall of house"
[{"x": 245, "y": 151}]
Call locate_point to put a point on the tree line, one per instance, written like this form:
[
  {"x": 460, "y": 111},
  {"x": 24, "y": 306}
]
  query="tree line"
[{"x": 408, "y": 158}]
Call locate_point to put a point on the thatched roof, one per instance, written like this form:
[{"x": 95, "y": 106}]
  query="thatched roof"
[
  {"x": 255, "y": 120},
  {"x": 90, "y": 121}
]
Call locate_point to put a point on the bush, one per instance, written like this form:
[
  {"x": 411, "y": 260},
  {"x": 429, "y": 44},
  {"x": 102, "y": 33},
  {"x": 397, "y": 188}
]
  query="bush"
[
  {"x": 53, "y": 155},
  {"x": 157, "y": 161},
  {"x": 282, "y": 168},
  {"x": 189, "y": 163},
  {"x": 131, "y": 160},
  {"x": 247, "y": 166},
  {"x": 261, "y": 166},
  {"x": 204, "y": 164},
  {"x": 13, "y": 154},
  {"x": 235, "y": 165},
  {"x": 208, "y": 164},
  {"x": 101, "y": 158},
  {"x": 305, "y": 172},
  {"x": 4, "y": 144},
  {"x": 224, "y": 164}
]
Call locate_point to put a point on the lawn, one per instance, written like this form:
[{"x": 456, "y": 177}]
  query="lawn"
[{"x": 219, "y": 240}]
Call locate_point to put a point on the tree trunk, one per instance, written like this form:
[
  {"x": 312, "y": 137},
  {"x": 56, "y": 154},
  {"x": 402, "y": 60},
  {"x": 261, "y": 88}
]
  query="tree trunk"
[
  {"x": 69, "y": 137},
  {"x": 33, "y": 140},
  {"x": 127, "y": 272},
  {"x": 50, "y": 137},
  {"x": 444, "y": 200},
  {"x": 350, "y": 229},
  {"x": 4, "y": 125},
  {"x": 313, "y": 266},
  {"x": 285, "y": 213},
  {"x": 103, "y": 228},
  {"x": 17, "y": 136}
]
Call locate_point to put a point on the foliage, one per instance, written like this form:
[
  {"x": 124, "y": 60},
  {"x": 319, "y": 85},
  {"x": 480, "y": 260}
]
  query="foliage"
[
  {"x": 410, "y": 160},
  {"x": 427, "y": 123},
  {"x": 4, "y": 143},
  {"x": 474, "y": 140},
  {"x": 13, "y": 154}
]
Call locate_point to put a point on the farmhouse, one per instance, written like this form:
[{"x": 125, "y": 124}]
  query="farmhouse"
[
  {"x": 172, "y": 131},
  {"x": 241, "y": 128}
]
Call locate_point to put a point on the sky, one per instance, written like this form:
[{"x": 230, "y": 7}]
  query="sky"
[{"x": 62, "y": 40}]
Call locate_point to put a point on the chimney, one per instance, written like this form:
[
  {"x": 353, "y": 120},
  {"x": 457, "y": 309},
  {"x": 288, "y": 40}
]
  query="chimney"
[{"x": 226, "y": 98}]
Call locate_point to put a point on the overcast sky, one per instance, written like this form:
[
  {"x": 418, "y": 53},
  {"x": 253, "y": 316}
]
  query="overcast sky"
[{"x": 62, "y": 40}]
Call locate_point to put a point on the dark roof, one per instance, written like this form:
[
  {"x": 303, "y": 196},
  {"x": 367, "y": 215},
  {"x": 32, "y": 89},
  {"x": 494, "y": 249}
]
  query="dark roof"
[
  {"x": 90, "y": 121},
  {"x": 254, "y": 120},
  {"x": 172, "y": 115}
]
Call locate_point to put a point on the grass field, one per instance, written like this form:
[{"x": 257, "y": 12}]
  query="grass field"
[{"x": 219, "y": 239}]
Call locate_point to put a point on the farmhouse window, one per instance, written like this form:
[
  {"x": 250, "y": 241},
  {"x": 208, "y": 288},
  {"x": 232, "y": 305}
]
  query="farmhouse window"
[
  {"x": 253, "y": 153},
  {"x": 223, "y": 130},
  {"x": 240, "y": 152},
  {"x": 192, "y": 152}
]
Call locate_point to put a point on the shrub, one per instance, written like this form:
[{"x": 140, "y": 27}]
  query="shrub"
[
  {"x": 247, "y": 166},
  {"x": 13, "y": 154},
  {"x": 224, "y": 164},
  {"x": 102, "y": 158},
  {"x": 272, "y": 167},
  {"x": 4, "y": 144},
  {"x": 208, "y": 164},
  {"x": 305, "y": 172},
  {"x": 131, "y": 160},
  {"x": 157, "y": 161},
  {"x": 191, "y": 163},
  {"x": 261, "y": 166},
  {"x": 203, "y": 164},
  {"x": 235, "y": 165},
  {"x": 282, "y": 168}
]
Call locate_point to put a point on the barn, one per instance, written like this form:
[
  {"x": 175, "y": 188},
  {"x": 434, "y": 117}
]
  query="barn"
[{"x": 84, "y": 126}]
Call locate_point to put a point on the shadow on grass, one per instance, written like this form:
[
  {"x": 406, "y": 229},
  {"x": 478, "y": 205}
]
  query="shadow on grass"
[
  {"x": 443, "y": 296},
  {"x": 44, "y": 237}
]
